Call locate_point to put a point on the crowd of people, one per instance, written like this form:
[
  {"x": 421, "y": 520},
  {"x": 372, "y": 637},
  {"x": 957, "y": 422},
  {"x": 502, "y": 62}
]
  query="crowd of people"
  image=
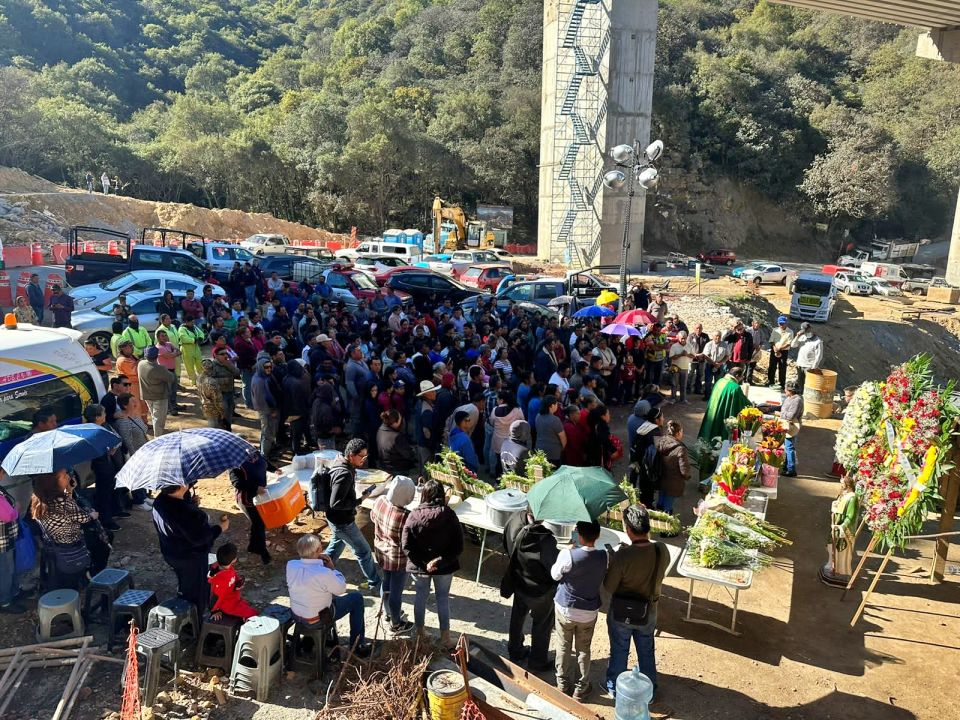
[{"x": 390, "y": 384}]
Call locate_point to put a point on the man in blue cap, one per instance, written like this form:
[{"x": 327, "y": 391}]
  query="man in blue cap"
[{"x": 780, "y": 339}]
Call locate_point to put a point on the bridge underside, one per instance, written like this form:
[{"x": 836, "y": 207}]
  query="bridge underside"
[{"x": 941, "y": 18}]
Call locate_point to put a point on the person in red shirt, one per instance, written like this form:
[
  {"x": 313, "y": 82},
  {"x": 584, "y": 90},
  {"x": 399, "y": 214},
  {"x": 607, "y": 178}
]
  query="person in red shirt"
[
  {"x": 225, "y": 584},
  {"x": 575, "y": 451},
  {"x": 629, "y": 378}
]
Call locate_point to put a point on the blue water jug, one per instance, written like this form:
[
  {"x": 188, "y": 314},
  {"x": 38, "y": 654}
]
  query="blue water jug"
[{"x": 634, "y": 693}]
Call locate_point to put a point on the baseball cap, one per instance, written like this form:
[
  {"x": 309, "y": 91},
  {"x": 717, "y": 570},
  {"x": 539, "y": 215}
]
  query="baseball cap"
[
  {"x": 323, "y": 338},
  {"x": 782, "y": 320},
  {"x": 151, "y": 353}
]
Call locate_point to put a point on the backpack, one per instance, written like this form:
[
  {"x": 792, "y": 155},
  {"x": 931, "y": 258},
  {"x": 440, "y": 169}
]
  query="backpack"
[
  {"x": 320, "y": 489},
  {"x": 648, "y": 469}
]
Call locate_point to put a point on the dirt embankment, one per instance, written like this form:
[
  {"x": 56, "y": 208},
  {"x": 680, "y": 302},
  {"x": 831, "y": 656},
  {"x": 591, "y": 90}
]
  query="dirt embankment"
[{"x": 35, "y": 210}]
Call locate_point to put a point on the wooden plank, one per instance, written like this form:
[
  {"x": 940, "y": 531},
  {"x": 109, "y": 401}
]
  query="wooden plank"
[
  {"x": 950, "y": 492},
  {"x": 71, "y": 681},
  {"x": 77, "y": 642}
]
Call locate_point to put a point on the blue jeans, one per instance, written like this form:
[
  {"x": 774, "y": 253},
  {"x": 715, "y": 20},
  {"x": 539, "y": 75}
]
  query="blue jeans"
[
  {"x": 441, "y": 586},
  {"x": 251, "y": 292},
  {"x": 620, "y": 636},
  {"x": 709, "y": 376},
  {"x": 9, "y": 583},
  {"x": 351, "y": 535},
  {"x": 665, "y": 503},
  {"x": 391, "y": 590},
  {"x": 350, "y": 604},
  {"x": 790, "y": 453},
  {"x": 246, "y": 377}
]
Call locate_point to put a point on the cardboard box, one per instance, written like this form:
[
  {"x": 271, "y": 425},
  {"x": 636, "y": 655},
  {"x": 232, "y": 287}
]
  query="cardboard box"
[{"x": 951, "y": 296}]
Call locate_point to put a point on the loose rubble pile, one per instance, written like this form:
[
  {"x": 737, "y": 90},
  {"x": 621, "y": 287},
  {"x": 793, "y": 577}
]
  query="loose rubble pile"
[{"x": 19, "y": 225}]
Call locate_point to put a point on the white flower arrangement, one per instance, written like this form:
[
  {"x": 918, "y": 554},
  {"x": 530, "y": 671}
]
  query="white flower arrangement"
[{"x": 859, "y": 424}]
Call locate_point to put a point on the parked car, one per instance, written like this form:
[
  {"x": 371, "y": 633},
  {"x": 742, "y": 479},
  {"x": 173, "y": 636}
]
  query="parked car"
[
  {"x": 463, "y": 259},
  {"x": 95, "y": 322},
  {"x": 439, "y": 262},
  {"x": 504, "y": 255},
  {"x": 220, "y": 256},
  {"x": 852, "y": 283},
  {"x": 485, "y": 277},
  {"x": 385, "y": 274},
  {"x": 373, "y": 264},
  {"x": 265, "y": 242},
  {"x": 752, "y": 265},
  {"x": 879, "y": 286},
  {"x": 776, "y": 274},
  {"x": 720, "y": 256},
  {"x": 137, "y": 281},
  {"x": 91, "y": 260},
  {"x": 376, "y": 248},
  {"x": 424, "y": 284},
  {"x": 350, "y": 286},
  {"x": 293, "y": 268},
  {"x": 582, "y": 285}
]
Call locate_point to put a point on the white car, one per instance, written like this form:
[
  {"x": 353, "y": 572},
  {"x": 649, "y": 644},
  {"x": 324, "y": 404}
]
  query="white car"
[
  {"x": 377, "y": 264},
  {"x": 880, "y": 286},
  {"x": 265, "y": 242},
  {"x": 776, "y": 274},
  {"x": 852, "y": 283},
  {"x": 439, "y": 263},
  {"x": 137, "y": 281}
]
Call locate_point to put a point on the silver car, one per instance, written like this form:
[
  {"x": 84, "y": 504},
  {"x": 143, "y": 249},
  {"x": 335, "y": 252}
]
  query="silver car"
[
  {"x": 137, "y": 281},
  {"x": 95, "y": 323}
]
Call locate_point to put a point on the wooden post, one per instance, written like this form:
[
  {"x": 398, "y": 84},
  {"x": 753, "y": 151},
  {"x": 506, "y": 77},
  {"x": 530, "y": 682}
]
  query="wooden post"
[
  {"x": 856, "y": 573},
  {"x": 873, "y": 584},
  {"x": 949, "y": 491}
]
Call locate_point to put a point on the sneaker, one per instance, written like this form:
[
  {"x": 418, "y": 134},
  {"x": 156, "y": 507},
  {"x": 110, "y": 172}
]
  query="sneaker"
[
  {"x": 401, "y": 628},
  {"x": 583, "y": 691},
  {"x": 364, "y": 650},
  {"x": 13, "y": 608}
]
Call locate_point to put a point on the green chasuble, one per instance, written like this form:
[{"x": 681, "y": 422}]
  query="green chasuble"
[{"x": 726, "y": 400}]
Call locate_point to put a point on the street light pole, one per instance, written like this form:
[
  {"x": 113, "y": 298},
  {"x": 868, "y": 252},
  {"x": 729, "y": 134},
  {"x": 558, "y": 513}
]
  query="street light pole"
[{"x": 641, "y": 170}]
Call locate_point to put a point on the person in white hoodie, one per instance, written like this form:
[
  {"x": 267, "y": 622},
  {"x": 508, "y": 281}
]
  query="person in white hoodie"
[{"x": 809, "y": 354}]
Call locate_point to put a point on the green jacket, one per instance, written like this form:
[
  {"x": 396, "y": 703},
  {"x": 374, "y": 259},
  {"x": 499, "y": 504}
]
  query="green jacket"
[{"x": 139, "y": 337}]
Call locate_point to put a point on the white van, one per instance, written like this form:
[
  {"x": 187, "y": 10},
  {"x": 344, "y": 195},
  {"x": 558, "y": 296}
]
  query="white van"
[
  {"x": 409, "y": 253},
  {"x": 814, "y": 295},
  {"x": 41, "y": 367}
]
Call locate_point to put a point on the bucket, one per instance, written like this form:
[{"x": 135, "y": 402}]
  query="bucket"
[
  {"x": 819, "y": 386},
  {"x": 281, "y": 503},
  {"x": 819, "y": 410},
  {"x": 769, "y": 475},
  {"x": 446, "y": 693}
]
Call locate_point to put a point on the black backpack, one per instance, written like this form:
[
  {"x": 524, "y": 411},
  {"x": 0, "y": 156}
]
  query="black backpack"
[
  {"x": 320, "y": 488},
  {"x": 648, "y": 469}
]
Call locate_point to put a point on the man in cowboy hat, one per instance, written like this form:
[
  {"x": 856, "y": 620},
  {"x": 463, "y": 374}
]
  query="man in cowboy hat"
[{"x": 428, "y": 431}]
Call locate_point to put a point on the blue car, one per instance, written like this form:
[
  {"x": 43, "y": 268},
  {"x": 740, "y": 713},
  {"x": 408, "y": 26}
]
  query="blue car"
[{"x": 739, "y": 270}]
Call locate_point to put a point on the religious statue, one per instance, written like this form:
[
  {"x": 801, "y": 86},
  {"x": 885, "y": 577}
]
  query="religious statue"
[{"x": 844, "y": 512}]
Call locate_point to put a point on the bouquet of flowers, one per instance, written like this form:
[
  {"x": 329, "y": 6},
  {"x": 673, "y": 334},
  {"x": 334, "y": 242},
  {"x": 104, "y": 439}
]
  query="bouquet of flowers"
[
  {"x": 773, "y": 430},
  {"x": 713, "y": 552},
  {"x": 743, "y": 455},
  {"x": 771, "y": 453},
  {"x": 749, "y": 420},
  {"x": 859, "y": 424},
  {"x": 745, "y": 517},
  {"x": 723, "y": 527},
  {"x": 734, "y": 480}
]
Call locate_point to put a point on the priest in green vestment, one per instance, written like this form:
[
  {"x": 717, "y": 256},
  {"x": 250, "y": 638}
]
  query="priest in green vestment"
[{"x": 726, "y": 400}]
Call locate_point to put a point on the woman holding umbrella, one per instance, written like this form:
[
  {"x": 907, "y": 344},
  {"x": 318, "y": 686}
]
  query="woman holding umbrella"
[{"x": 61, "y": 519}]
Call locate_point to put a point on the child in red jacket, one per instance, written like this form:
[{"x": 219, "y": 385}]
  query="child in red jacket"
[{"x": 225, "y": 586}]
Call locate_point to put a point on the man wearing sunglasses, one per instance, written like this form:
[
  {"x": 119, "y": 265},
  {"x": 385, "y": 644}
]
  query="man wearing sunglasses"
[{"x": 225, "y": 374}]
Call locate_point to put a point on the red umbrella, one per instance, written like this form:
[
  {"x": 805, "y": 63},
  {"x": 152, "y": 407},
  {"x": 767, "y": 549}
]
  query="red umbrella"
[{"x": 635, "y": 317}]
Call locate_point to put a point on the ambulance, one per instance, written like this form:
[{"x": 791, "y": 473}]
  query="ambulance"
[{"x": 41, "y": 367}]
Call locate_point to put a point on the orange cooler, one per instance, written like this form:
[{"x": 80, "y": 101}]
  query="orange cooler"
[{"x": 281, "y": 503}]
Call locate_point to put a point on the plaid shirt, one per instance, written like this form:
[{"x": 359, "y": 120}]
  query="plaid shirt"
[
  {"x": 388, "y": 521},
  {"x": 9, "y": 531}
]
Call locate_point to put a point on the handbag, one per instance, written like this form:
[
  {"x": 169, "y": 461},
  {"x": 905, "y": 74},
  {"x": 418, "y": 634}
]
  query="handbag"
[
  {"x": 634, "y": 610},
  {"x": 8, "y": 513},
  {"x": 25, "y": 548},
  {"x": 71, "y": 558}
]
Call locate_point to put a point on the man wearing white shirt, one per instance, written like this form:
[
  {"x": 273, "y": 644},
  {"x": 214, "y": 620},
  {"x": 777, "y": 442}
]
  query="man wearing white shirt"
[
  {"x": 317, "y": 589},
  {"x": 715, "y": 354},
  {"x": 560, "y": 379},
  {"x": 681, "y": 354},
  {"x": 580, "y": 572}
]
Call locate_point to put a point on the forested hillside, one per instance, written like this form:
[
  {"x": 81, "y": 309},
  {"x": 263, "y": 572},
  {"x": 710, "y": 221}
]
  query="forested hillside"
[{"x": 358, "y": 112}]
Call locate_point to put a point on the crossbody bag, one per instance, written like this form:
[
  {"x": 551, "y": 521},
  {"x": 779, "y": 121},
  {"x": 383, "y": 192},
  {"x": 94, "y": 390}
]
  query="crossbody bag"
[{"x": 634, "y": 610}]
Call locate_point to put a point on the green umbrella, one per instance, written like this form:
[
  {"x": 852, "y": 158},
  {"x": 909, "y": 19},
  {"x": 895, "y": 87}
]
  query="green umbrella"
[{"x": 574, "y": 494}]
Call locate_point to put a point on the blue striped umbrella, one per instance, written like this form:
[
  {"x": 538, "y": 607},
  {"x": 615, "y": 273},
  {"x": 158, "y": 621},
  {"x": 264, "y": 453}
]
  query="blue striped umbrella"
[{"x": 182, "y": 458}]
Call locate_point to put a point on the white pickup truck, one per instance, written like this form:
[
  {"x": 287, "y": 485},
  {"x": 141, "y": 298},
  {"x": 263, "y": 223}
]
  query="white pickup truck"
[{"x": 263, "y": 243}]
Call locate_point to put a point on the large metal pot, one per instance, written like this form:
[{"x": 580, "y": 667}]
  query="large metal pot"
[
  {"x": 504, "y": 504},
  {"x": 562, "y": 529}
]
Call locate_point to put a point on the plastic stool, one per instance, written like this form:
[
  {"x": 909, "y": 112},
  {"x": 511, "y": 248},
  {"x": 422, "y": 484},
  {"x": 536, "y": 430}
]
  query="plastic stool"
[
  {"x": 226, "y": 630},
  {"x": 283, "y": 615},
  {"x": 321, "y": 635},
  {"x": 257, "y": 659},
  {"x": 56, "y": 604},
  {"x": 152, "y": 646},
  {"x": 178, "y": 616},
  {"x": 131, "y": 605},
  {"x": 105, "y": 587}
]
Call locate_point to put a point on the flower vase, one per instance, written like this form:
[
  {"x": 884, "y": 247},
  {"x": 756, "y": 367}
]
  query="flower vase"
[
  {"x": 749, "y": 440},
  {"x": 769, "y": 475}
]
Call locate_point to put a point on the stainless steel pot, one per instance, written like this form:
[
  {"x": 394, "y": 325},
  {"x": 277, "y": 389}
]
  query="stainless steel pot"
[
  {"x": 562, "y": 529},
  {"x": 504, "y": 504}
]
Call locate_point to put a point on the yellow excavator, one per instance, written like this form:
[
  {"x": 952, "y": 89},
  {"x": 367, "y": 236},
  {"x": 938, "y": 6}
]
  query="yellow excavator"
[{"x": 452, "y": 231}]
